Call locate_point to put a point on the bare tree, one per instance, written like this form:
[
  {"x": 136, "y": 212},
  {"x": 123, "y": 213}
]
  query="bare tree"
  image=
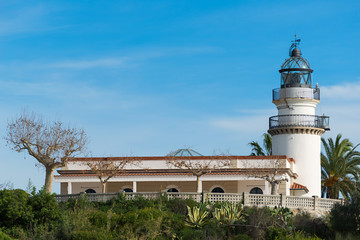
[
  {"x": 198, "y": 167},
  {"x": 107, "y": 168},
  {"x": 270, "y": 170},
  {"x": 50, "y": 143}
]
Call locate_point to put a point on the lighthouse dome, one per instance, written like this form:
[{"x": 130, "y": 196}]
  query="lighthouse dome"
[
  {"x": 295, "y": 61},
  {"x": 295, "y": 71}
]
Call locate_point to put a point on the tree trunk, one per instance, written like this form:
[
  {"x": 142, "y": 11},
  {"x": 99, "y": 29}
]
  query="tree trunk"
[
  {"x": 103, "y": 184},
  {"x": 273, "y": 188},
  {"x": 49, "y": 177},
  {"x": 332, "y": 193}
]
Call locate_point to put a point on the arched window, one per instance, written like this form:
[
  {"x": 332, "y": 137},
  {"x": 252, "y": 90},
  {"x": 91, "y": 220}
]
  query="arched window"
[
  {"x": 256, "y": 190},
  {"x": 90, "y": 190},
  {"x": 217, "y": 190},
  {"x": 172, "y": 190},
  {"x": 127, "y": 190}
]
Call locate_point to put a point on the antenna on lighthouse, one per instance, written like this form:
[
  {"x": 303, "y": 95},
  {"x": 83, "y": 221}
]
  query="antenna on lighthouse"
[{"x": 295, "y": 44}]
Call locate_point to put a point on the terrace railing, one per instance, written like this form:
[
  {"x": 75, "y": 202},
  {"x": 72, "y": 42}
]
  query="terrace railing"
[{"x": 260, "y": 200}]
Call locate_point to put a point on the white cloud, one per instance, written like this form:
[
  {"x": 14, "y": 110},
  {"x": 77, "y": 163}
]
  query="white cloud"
[{"x": 346, "y": 91}]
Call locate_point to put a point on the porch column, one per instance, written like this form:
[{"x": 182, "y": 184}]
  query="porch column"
[
  {"x": 69, "y": 188},
  {"x": 287, "y": 184},
  {"x": 266, "y": 190},
  {"x": 134, "y": 186},
  {"x": 200, "y": 186}
]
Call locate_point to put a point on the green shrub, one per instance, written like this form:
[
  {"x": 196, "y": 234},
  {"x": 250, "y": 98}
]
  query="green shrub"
[
  {"x": 258, "y": 220},
  {"x": 43, "y": 231},
  {"x": 4, "y": 236},
  {"x": 179, "y": 206},
  {"x": 124, "y": 206},
  {"x": 300, "y": 236},
  {"x": 14, "y": 210},
  {"x": 241, "y": 236},
  {"x": 276, "y": 233},
  {"x": 343, "y": 218},
  {"x": 313, "y": 226},
  {"x": 98, "y": 218},
  {"x": 213, "y": 230},
  {"x": 76, "y": 204},
  {"x": 172, "y": 223},
  {"x": 192, "y": 234},
  {"x": 96, "y": 234},
  {"x": 45, "y": 207},
  {"x": 145, "y": 223}
]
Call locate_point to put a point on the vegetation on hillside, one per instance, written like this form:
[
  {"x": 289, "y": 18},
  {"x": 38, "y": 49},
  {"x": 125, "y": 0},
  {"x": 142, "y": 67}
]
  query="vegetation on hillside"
[{"x": 39, "y": 216}]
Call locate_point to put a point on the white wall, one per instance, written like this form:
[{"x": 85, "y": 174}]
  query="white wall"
[
  {"x": 145, "y": 164},
  {"x": 305, "y": 149}
]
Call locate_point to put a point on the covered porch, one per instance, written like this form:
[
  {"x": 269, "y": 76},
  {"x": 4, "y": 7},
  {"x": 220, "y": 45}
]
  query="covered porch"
[{"x": 170, "y": 183}]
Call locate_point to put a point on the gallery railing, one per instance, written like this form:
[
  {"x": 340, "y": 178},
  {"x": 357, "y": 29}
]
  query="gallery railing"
[
  {"x": 299, "y": 120},
  {"x": 292, "y": 202}
]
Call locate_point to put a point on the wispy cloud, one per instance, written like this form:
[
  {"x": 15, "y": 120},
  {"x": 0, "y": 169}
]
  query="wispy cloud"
[
  {"x": 245, "y": 124},
  {"x": 342, "y": 103},
  {"x": 125, "y": 60},
  {"x": 95, "y": 63},
  {"x": 346, "y": 91},
  {"x": 25, "y": 20},
  {"x": 72, "y": 94}
]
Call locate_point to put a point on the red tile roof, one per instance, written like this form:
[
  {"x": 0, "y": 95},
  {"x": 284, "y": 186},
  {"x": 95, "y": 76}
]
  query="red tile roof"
[
  {"x": 164, "y": 172},
  {"x": 297, "y": 186},
  {"x": 147, "y": 158}
]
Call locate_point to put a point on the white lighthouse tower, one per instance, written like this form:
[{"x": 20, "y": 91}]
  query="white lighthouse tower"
[{"x": 296, "y": 130}]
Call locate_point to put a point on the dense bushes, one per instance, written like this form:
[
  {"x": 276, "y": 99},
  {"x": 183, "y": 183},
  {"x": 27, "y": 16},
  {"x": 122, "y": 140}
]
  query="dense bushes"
[
  {"x": 4, "y": 236},
  {"x": 345, "y": 219},
  {"x": 38, "y": 216},
  {"x": 14, "y": 208}
]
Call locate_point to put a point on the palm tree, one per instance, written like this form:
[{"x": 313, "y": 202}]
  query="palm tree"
[
  {"x": 339, "y": 167},
  {"x": 265, "y": 149}
]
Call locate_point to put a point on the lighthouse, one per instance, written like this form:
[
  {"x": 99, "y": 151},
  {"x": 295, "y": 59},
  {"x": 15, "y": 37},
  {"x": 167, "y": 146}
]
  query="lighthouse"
[{"x": 296, "y": 130}]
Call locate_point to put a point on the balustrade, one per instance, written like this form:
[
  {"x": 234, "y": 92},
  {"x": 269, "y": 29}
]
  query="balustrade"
[{"x": 246, "y": 199}]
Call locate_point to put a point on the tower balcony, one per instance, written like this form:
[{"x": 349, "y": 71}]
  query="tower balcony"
[
  {"x": 299, "y": 120},
  {"x": 299, "y": 93}
]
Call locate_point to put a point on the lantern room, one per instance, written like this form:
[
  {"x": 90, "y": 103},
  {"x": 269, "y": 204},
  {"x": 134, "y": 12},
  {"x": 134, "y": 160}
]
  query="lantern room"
[{"x": 295, "y": 71}]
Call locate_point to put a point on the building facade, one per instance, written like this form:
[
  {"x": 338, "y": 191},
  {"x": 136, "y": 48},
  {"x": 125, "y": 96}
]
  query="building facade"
[
  {"x": 293, "y": 170},
  {"x": 153, "y": 174}
]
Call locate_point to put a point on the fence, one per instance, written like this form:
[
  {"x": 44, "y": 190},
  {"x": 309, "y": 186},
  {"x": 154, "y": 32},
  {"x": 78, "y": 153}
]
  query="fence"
[{"x": 260, "y": 200}]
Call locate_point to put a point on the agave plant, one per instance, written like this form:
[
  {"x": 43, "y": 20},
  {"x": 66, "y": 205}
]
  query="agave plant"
[
  {"x": 229, "y": 213},
  {"x": 196, "y": 217},
  {"x": 283, "y": 217}
]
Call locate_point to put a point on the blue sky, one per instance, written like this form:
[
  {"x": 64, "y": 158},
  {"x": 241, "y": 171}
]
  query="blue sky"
[{"x": 147, "y": 77}]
